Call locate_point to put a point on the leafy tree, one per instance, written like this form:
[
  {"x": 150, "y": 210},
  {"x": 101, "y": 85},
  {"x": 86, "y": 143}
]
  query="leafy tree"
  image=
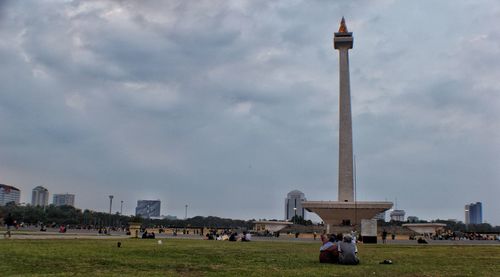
[{"x": 297, "y": 219}]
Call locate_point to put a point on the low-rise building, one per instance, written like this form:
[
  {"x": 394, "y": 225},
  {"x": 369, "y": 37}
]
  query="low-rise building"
[{"x": 398, "y": 215}]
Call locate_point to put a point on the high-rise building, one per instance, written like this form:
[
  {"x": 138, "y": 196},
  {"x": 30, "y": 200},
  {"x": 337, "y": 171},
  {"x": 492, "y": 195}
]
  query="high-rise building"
[
  {"x": 148, "y": 208},
  {"x": 293, "y": 204},
  {"x": 398, "y": 215},
  {"x": 474, "y": 213},
  {"x": 40, "y": 196},
  {"x": 9, "y": 194},
  {"x": 64, "y": 199}
]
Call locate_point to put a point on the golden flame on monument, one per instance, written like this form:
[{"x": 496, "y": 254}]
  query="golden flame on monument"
[{"x": 343, "y": 27}]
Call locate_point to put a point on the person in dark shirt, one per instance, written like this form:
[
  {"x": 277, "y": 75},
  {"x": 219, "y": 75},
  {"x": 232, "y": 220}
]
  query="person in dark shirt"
[
  {"x": 328, "y": 252},
  {"x": 9, "y": 221},
  {"x": 384, "y": 236}
]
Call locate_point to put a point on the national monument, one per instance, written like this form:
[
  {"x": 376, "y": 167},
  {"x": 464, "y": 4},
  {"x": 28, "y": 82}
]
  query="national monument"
[{"x": 347, "y": 210}]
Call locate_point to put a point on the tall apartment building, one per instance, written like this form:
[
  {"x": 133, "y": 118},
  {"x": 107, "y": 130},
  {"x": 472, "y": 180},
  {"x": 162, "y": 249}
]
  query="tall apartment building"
[
  {"x": 474, "y": 213},
  {"x": 293, "y": 204},
  {"x": 40, "y": 196},
  {"x": 9, "y": 194},
  {"x": 148, "y": 208},
  {"x": 64, "y": 199}
]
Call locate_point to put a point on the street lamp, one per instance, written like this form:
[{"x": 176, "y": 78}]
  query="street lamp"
[
  {"x": 121, "y": 207},
  {"x": 110, "y": 205},
  {"x": 295, "y": 212},
  {"x": 186, "y": 215}
]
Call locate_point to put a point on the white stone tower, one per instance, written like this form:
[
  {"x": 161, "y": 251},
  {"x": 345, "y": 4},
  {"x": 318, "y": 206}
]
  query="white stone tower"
[
  {"x": 343, "y": 42},
  {"x": 346, "y": 210}
]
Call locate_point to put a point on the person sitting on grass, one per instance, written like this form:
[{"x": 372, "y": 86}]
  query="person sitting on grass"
[
  {"x": 328, "y": 252},
  {"x": 421, "y": 240},
  {"x": 246, "y": 237},
  {"x": 348, "y": 252}
]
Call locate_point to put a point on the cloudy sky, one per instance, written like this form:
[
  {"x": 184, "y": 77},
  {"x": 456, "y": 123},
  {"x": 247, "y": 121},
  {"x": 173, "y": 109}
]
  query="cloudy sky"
[{"x": 228, "y": 105}]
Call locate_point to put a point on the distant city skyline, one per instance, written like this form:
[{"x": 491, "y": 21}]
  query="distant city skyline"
[{"x": 228, "y": 106}]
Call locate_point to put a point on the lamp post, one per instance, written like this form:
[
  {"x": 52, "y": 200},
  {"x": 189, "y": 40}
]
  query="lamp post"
[
  {"x": 121, "y": 207},
  {"x": 110, "y": 205},
  {"x": 186, "y": 214},
  {"x": 295, "y": 216}
]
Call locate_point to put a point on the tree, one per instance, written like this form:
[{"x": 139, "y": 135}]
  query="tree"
[{"x": 297, "y": 219}]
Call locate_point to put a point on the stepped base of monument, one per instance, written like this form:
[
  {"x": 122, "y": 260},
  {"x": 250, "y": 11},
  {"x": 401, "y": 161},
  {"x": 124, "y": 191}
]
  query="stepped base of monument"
[{"x": 346, "y": 213}]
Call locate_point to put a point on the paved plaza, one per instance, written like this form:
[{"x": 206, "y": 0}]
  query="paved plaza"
[{"x": 92, "y": 234}]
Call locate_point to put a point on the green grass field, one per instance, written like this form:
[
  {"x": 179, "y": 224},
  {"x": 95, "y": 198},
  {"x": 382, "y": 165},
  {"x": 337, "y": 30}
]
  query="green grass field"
[{"x": 221, "y": 258}]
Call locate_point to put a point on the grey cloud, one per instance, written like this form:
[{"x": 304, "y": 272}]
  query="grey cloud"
[{"x": 210, "y": 102}]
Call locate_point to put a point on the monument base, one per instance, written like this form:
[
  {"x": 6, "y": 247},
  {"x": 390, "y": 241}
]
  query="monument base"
[
  {"x": 345, "y": 213},
  {"x": 369, "y": 230}
]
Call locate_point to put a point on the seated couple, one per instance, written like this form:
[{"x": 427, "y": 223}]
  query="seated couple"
[
  {"x": 343, "y": 251},
  {"x": 147, "y": 235}
]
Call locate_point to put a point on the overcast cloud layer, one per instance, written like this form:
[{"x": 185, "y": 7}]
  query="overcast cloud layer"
[{"x": 228, "y": 106}]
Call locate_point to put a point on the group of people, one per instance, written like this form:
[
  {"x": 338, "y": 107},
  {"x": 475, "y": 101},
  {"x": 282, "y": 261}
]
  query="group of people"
[
  {"x": 229, "y": 236},
  {"x": 147, "y": 235},
  {"x": 384, "y": 236},
  {"x": 338, "y": 249}
]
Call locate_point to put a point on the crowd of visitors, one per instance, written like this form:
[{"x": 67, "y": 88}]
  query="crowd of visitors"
[
  {"x": 228, "y": 235},
  {"x": 450, "y": 235}
]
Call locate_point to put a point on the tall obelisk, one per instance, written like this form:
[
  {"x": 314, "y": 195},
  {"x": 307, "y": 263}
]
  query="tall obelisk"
[
  {"x": 345, "y": 211},
  {"x": 343, "y": 42}
]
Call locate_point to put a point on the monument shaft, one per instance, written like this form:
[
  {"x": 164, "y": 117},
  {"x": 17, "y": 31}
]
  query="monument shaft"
[
  {"x": 343, "y": 42},
  {"x": 346, "y": 183}
]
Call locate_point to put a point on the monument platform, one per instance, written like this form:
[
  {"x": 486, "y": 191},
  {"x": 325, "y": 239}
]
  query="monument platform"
[
  {"x": 342, "y": 213},
  {"x": 424, "y": 228},
  {"x": 271, "y": 226}
]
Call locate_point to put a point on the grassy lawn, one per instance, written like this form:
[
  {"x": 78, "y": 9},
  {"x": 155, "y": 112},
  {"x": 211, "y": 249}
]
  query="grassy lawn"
[{"x": 218, "y": 258}]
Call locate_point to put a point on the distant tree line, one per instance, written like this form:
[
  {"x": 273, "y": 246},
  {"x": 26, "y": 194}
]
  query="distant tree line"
[
  {"x": 68, "y": 215},
  {"x": 57, "y": 215}
]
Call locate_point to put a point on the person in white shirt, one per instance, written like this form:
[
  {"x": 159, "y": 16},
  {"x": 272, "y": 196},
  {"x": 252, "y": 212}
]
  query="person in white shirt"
[{"x": 348, "y": 252}]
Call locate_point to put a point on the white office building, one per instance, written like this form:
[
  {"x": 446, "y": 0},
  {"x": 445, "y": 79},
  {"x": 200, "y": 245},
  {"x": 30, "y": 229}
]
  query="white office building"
[
  {"x": 9, "y": 194},
  {"x": 64, "y": 199}
]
